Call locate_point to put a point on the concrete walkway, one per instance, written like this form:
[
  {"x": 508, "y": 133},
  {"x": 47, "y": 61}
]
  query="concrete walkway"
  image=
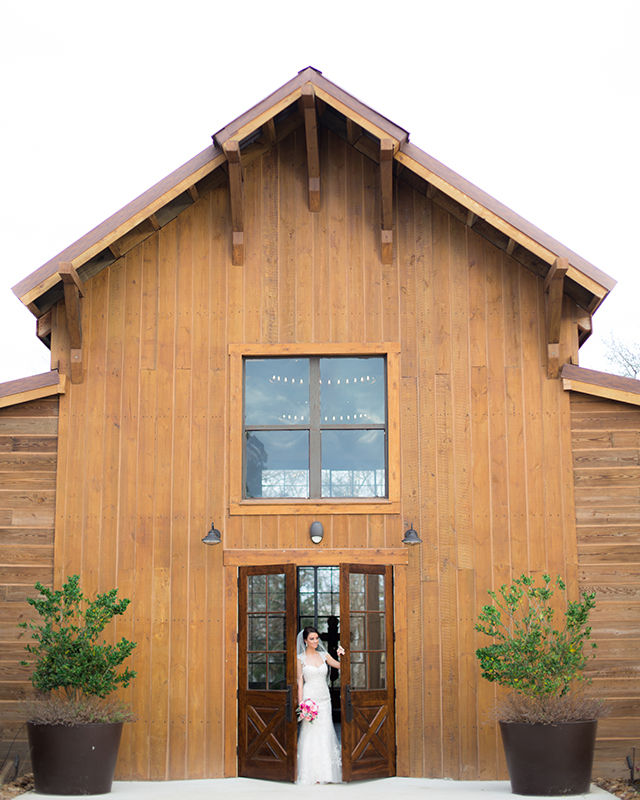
[{"x": 247, "y": 789}]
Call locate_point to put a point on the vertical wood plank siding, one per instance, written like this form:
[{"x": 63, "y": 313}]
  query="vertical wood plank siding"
[
  {"x": 145, "y": 465},
  {"x": 606, "y": 465},
  {"x": 28, "y": 455}
]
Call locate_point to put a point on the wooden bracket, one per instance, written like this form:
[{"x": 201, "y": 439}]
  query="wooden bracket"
[
  {"x": 387, "y": 151},
  {"x": 354, "y": 131},
  {"x": 554, "y": 287},
  {"x": 269, "y": 131},
  {"x": 73, "y": 291},
  {"x": 43, "y": 328},
  {"x": 308, "y": 102},
  {"x": 585, "y": 324},
  {"x": 236, "y": 189}
]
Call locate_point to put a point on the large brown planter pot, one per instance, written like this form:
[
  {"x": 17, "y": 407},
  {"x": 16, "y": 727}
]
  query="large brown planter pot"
[
  {"x": 549, "y": 760},
  {"x": 79, "y": 759}
]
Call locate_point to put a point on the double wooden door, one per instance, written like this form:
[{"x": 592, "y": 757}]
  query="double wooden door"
[{"x": 267, "y": 692}]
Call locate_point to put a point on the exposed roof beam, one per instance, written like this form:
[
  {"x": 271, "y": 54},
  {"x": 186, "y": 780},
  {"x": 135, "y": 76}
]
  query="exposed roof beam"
[
  {"x": 511, "y": 246},
  {"x": 354, "y": 131},
  {"x": 471, "y": 218},
  {"x": 155, "y": 224},
  {"x": 387, "y": 150},
  {"x": 43, "y": 328},
  {"x": 554, "y": 286},
  {"x": 236, "y": 189},
  {"x": 308, "y": 102},
  {"x": 72, "y": 293},
  {"x": 269, "y": 131},
  {"x": 192, "y": 191}
]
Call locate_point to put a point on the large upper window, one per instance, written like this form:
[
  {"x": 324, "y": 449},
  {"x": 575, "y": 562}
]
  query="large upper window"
[{"x": 315, "y": 427}]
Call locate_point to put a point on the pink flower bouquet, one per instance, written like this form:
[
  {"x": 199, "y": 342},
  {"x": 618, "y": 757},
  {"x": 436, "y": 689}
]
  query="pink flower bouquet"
[{"x": 307, "y": 711}]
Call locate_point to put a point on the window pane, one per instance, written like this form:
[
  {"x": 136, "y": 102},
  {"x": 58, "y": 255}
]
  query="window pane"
[
  {"x": 277, "y": 633},
  {"x": 257, "y": 671},
  {"x": 352, "y": 391},
  {"x": 276, "y": 391},
  {"x": 257, "y": 590},
  {"x": 353, "y": 464},
  {"x": 276, "y": 586},
  {"x": 277, "y": 464},
  {"x": 277, "y": 671}
]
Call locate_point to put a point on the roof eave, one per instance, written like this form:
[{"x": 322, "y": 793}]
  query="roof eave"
[{"x": 600, "y": 384}]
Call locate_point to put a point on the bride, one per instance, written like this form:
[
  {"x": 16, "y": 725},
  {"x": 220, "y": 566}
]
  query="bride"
[{"x": 318, "y": 749}]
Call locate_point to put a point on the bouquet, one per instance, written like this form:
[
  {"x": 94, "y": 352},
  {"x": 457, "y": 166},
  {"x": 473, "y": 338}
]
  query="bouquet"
[{"x": 307, "y": 711}]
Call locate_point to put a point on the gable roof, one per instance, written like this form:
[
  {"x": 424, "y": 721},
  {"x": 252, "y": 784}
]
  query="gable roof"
[{"x": 259, "y": 128}]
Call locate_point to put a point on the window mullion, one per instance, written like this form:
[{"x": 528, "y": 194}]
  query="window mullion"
[{"x": 315, "y": 468}]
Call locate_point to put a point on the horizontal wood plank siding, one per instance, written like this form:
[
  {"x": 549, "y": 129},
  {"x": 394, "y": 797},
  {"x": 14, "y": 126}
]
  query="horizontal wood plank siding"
[
  {"x": 28, "y": 447},
  {"x": 606, "y": 463},
  {"x": 145, "y": 452}
]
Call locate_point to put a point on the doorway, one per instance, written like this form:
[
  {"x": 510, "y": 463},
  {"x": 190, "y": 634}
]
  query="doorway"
[{"x": 273, "y": 602}]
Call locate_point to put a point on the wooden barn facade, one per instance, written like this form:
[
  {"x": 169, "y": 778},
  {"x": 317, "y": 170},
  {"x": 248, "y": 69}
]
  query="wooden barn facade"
[{"x": 313, "y": 321}]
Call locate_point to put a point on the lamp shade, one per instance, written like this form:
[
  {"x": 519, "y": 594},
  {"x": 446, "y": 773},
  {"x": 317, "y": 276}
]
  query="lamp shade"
[
  {"x": 411, "y": 537},
  {"x": 213, "y": 537}
]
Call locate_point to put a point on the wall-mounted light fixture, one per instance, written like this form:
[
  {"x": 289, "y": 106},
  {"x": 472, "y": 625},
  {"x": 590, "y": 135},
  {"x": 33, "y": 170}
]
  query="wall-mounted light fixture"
[
  {"x": 213, "y": 537},
  {"x": 411, "y": 537},
  {"x": 316, "y": 532}
]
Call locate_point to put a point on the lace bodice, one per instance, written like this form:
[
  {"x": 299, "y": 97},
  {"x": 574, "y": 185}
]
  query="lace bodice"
[{"x": 315, "y": 679}]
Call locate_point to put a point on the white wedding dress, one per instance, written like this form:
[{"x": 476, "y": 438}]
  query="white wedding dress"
[{"x": 318, "y": 749}]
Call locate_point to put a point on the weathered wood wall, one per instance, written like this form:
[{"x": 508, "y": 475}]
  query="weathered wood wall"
[
  {"x": 606, "y": 454},
  {"x": 28, "y": 454},
  {"x": 485, "y": 445}
]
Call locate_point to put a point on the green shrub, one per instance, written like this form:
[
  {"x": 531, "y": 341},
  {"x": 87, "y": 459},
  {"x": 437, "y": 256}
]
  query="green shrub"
[
  {"x": 66, "y": 654},
  {"x": 530, "y": 654}
]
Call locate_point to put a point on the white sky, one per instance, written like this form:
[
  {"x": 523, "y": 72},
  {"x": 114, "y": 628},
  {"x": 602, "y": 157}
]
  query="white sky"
[{"x": 537, "y": 103}]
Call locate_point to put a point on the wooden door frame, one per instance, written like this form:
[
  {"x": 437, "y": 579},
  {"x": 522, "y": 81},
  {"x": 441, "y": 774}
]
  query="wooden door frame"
[{"x": 316, "y": 557}]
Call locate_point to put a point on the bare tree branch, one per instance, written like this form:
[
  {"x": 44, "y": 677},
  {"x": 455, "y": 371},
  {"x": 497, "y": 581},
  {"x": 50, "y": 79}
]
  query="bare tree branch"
[{"x": 625, "y": 357}]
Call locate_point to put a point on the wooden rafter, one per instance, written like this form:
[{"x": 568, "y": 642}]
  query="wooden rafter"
[
  {"x": 308, "y": 102},
  {"x": 471, "y": 219},
  {"x": 269, "y": 131},
  {"x": 44, "y": 326},
  {"x": 554, "y": 287},
  {"x": 155, "y": 224},
  {"x": 354, "y": 131},
  {"x": 511, "y": 246},
  {"x": 73, "y": 291},
  {"x": 236, "y": 189},
  {"x": 387, "y": 151},
  {"x": 192, "y": 191},
  {"x": 585, "y": 324}
]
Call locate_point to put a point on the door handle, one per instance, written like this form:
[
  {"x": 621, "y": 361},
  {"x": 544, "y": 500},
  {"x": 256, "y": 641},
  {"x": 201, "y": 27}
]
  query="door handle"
[
  {"x": 349, "y": 708},
  {"x": 288, "y": 709}
]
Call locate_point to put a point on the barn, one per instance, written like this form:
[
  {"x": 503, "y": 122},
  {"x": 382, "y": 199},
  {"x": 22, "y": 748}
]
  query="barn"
[{"x": 322, "y": 343}]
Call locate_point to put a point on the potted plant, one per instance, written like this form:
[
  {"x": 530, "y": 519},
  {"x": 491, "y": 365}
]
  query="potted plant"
[
  {"x": 548, "y": 725},
  {"x": 74, "y": 728}
]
